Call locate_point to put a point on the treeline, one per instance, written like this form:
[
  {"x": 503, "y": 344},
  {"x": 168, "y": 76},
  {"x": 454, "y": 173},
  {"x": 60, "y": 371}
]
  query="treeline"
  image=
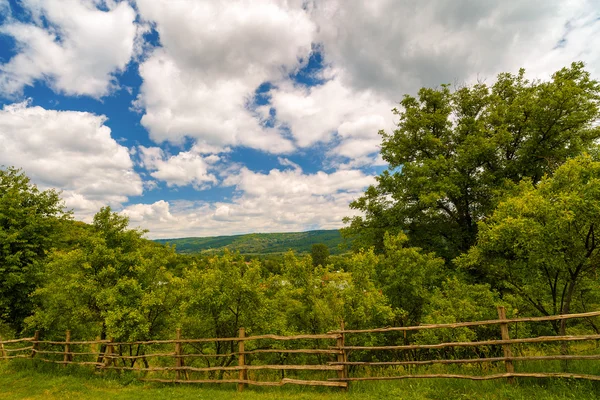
[
  {"x": 105, "y": 280},
  {"x": 492, "y": 197}
]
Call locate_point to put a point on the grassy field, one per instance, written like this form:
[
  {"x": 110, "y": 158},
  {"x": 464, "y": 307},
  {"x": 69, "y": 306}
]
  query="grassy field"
[{"x": 24, "y": 380}]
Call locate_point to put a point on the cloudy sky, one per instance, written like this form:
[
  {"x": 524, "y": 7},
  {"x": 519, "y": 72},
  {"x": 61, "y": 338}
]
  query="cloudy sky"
[{"x": 201, "y": 118}]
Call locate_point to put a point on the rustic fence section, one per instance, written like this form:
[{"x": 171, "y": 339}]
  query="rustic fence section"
[
  {"x": 506, "y": 342},
  {"x": 239, "y": 360}
]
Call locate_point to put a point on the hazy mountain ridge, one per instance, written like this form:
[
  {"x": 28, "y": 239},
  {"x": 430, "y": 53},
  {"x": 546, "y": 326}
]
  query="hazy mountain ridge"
[{"x": 259, "y": 243}]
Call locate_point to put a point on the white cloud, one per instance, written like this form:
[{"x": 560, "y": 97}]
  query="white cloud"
[
  {"x": 185, "y": 168},
  {"x": 5, "y": 8},
  {"x": 396, "y": 47},
  {"x": 332, "y": 111},
  {"x": 280, "y": 201},
  {"x": 75, "y": 52},
  {"x": 379, "y": 50},
  {"x": 157, "y": 212},
  {"x": 288, "y": 163},
  {"x": 214, "y": 56},
  {"x": 68, "y": 150}
]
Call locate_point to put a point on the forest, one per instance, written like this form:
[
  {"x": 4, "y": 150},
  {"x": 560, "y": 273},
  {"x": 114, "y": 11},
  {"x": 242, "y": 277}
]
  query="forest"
[{"x": 491, "y": 197}]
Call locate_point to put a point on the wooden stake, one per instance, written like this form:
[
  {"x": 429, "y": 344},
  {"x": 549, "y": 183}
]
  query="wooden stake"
[
  {"x": 243, "y": 373},
  {"x": 508, "y": 364},
  {"x": 178, "y": 352},
  {"x": 342, "y": 357},
  {"x": 108, "y": 354},
  {"x": 68, "y": 356},
  {"x": 35, "y": 345},
  {"x": 2, "y": 352}
]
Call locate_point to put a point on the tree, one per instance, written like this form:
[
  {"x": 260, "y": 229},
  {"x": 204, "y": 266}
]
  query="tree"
[
  {"x": 455, "y": 152},
  {"x": 320, "y": 254},
  {"x": 30, "y": 225},
  {"x": 222, "y": 295},
  {"x": 408, "y": 278},
  {"x": 540, "y": 244},
  {"x": 316, "y": 300},
  {"x": 112, "y": 283}
]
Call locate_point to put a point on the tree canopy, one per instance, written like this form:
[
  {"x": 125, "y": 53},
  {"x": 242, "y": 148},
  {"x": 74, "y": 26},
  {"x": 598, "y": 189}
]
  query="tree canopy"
[
  {"x": 540, "y": 243},
  {"x": 455, "y": 152},
  {"x": 30, "y": 223}
]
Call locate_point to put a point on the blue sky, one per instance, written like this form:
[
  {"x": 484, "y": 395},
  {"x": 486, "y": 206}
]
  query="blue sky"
[{"x": 199, "y": 118}]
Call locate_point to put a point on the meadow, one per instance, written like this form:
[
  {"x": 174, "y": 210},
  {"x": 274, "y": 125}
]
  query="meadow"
[{"x": 26, "y": 380}]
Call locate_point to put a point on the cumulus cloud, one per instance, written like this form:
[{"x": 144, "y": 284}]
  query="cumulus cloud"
[
  {"x": 395, "y": 47},
  {"x": 214, "y": 55},
  {"x": 186, "y": 168},
  {"x": 200, "y": 83},
  {"x": 333, "y": 112},
  {"x": 75, "y": 52},
  {"x": 279, "y": 201},
  {"x": 379, "y": 50},
  {"x": 70, "y": 150}
]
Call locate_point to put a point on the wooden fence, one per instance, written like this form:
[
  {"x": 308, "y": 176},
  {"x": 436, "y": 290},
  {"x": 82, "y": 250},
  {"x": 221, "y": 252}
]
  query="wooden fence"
[{"x": 175, "y": 363}]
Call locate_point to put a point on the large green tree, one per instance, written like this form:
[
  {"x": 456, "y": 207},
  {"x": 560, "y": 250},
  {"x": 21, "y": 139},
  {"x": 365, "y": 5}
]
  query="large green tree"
[
  {"x": 455, "y": 151},
  {"x": 319, "y": 253},
  {"x": 540, "y": 244},
  {"x": 112, "y": 282},
  {"x": 30, "y": 226}
]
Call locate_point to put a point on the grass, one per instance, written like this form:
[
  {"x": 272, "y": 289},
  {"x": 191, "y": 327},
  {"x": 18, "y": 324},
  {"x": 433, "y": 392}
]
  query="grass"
[{"x": 27, "y": 380}]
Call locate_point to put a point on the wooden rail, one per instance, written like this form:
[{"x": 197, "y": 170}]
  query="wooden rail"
[
  {"x": 235, "y": 365},
  {"x": 539, "y": 339},
  {"x": 481, "y": 377},
  {"x": 471, "y": 324}
]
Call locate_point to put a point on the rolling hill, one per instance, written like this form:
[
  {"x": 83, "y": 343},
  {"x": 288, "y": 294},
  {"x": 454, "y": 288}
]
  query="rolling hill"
[{"x": 259, "y": 243}]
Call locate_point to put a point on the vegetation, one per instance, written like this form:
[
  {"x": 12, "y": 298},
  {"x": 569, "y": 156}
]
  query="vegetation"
[
  {"x": 455, "y": 154},
  {"x": 48, "y": 382},
  {"x": 30, "y": 226},
  {"x": 320, "y": 254},
  {"x": 491, "y": 198},
  {"x": 260, "y": 243},
  {"x": 540, "y": 243}
]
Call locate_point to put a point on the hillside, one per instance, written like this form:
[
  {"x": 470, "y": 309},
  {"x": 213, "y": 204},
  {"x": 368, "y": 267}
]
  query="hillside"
[{"x": 259, "y": 243}]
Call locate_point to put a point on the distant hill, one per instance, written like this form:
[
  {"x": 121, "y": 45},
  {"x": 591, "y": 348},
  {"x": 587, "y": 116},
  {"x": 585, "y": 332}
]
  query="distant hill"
[{"x": 259, "y": 243}]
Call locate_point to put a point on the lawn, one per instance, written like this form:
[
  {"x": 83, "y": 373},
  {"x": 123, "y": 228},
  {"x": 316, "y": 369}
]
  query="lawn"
[{"x": 24, "y": 380}]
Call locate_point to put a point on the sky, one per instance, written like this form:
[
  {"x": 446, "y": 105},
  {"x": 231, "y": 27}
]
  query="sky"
[{"x": 204, "y": 118}]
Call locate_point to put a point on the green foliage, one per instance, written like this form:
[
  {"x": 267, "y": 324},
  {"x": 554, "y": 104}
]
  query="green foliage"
[
  {"x": 260, "y": 243},
  {"x": 316, "y": 300},
  {"x": 408, "y": 277},
  {"x": 540, "y": 244},
  {"x": 30, "y": 223},
  {"x": 319, "y": 253},
  {"x": 455, "y": 153},
  {"x": 222, "y": 295},
  {"x": 458, "y": 301},
  {"x": 113, "y": 283}
]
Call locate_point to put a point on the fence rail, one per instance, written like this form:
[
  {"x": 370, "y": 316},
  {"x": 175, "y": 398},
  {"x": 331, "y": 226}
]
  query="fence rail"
[{"x": 235, "y": 366}]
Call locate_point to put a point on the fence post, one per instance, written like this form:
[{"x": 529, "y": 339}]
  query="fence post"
[
  {"x": 508, "y": 364},
  {"x": 342, "y": 356},
  {"x": 108, "y": 354},
  {"x": 35, "y": 346},
  {"x": 68, "y": 356},
  {"x": 3, "y": 353},
  {"x": 178, "y": 359},
  {"x": 243, "y": 373}
]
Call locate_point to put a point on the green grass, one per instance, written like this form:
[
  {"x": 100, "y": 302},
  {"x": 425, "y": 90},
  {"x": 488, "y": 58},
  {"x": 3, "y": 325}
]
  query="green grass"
[
  {"x": 259, "y": 243},
  {"x": 27, "y": 380}
]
